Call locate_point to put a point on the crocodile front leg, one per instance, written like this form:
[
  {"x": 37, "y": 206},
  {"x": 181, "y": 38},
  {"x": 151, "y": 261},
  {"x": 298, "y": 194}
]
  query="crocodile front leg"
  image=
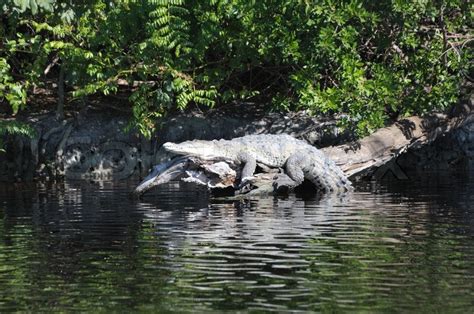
[{"x": 249, "y": 165}]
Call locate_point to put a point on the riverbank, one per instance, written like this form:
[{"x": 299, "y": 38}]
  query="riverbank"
[{"x": 93, "y": 144}]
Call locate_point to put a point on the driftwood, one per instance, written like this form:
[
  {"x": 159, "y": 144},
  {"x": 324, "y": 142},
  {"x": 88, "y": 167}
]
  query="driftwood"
[{"x": 355, "y": 159}]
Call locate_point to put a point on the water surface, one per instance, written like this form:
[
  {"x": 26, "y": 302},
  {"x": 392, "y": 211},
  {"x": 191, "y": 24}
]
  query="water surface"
[{"x": 404, "y": 246}]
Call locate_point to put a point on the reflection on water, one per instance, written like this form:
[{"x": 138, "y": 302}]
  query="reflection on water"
[{"x": 85, "y": 246}]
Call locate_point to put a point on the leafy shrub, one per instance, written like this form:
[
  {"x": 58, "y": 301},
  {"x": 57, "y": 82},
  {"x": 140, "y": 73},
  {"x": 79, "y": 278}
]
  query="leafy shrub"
[{"x": 366, "y": 60}]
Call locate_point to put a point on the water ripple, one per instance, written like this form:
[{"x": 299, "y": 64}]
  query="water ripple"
[{"x": 399, "y": 247}]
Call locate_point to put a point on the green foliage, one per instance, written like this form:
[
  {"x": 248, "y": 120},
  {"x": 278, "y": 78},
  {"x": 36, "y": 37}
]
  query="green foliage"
[
  {"x": 11, "y": 91},
  {"x": 366, "y": 60},
  {"x": 14, "y": 128}
]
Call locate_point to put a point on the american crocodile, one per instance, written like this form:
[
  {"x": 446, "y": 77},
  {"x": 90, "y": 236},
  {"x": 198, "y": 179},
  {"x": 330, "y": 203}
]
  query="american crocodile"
[{"x": 300, "y": 160}]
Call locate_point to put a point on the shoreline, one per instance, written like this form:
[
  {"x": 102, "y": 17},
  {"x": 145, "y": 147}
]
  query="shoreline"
[{"x": 92, "y": 144}]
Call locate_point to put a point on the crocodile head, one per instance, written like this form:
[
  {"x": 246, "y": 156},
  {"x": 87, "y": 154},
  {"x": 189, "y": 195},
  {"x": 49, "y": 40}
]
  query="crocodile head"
[
  {"x": 206, "y": 150},
  {"x": 163, "y": 173}
]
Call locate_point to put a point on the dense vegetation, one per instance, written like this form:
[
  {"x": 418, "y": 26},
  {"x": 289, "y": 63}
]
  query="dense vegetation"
[{"x": 367, "y": 60}]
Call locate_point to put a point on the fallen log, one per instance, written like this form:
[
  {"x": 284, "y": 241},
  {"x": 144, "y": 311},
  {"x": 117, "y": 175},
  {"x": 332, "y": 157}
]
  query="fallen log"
[
  {"x": 213, "y": 174},
  {"x": 360, "y": 158}
]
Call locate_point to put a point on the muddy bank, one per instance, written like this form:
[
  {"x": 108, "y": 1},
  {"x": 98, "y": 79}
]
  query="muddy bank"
[{"x": 96, "y": 146}]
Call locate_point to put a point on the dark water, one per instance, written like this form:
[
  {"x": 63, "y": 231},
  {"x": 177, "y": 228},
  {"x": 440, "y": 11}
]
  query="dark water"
[{"x": 403, "y": 246}]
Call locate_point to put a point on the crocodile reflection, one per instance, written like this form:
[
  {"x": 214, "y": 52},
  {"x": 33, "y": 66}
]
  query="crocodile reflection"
[{"x": 223, "y": 223}]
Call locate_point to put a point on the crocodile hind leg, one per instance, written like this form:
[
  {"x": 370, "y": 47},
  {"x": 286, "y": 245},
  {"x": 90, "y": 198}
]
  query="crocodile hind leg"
[
  {"x": 318, "y": 169},
  {"x": 294, "y": 170},
  {"x": 283, "y": 184},
  {"x": 300, "y": 166}
]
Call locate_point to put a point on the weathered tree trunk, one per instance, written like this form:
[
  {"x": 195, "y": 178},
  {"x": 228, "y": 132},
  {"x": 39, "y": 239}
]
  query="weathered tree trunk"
[
  {"x": 373, "y": 151},
  {"x": 60, "y": 107}
]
